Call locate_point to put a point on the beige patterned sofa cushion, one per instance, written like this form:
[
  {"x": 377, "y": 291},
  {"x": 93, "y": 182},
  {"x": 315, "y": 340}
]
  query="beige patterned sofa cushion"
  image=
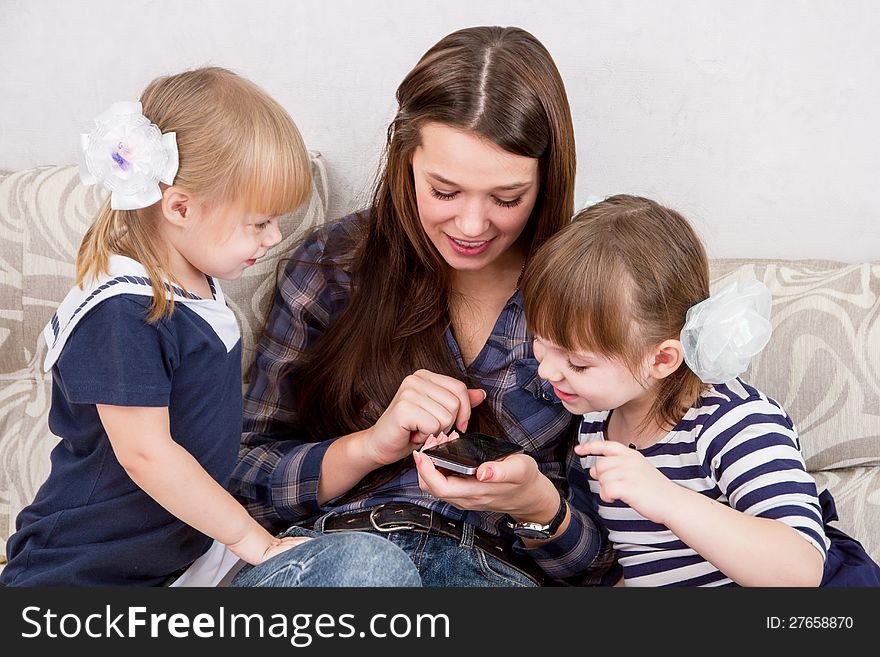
[
  {"x": 43, "y": 214},
  {"x": 823, "y": 360}
]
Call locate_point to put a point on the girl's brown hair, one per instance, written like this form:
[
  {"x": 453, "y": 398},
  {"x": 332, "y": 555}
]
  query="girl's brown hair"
[
  {"x": 618, "y": 281},
  {"x": 236, "y": 146},
  {"x": 498, "y": 83}
]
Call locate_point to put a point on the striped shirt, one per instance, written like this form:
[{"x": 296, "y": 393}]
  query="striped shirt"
[
  {"x": 277, "y": 473},
  {"x": 736, "y": 446}
]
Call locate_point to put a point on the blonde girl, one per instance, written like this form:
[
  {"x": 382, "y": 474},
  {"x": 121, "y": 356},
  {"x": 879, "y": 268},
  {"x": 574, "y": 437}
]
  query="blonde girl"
[{"x": 144, "y": 352}]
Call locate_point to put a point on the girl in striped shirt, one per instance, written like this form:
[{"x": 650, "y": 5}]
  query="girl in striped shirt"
[{"x": 699, "y": 476}]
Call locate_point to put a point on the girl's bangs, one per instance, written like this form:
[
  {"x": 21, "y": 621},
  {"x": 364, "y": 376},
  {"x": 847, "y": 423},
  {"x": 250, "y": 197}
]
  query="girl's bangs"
[
  {"x": 270, "y": 183},
  {"x": 581, "y": 304}
]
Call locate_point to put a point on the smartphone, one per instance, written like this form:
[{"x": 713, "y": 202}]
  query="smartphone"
[{"x": 464, "y": 454}]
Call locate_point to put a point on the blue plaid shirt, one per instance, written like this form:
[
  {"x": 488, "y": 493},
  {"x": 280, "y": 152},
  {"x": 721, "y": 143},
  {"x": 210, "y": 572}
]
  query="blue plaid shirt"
[{"x": 277, "y": 472}]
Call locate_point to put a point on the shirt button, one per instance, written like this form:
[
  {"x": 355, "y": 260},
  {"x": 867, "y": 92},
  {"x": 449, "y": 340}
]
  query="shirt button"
[{"x": 547, "y": 396}]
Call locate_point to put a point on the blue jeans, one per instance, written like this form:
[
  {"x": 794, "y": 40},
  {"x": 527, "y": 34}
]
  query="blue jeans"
[
  {"x": 366, "y": 558},
  {"x": 349, "y": 559}
]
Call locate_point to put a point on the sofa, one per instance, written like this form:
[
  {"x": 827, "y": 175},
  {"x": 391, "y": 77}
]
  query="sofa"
[{"x": 822, "y": 363}]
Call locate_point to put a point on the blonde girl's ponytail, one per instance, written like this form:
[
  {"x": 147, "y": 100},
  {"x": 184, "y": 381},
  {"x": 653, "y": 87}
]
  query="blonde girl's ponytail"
[
  {"x": 123, "y": 232},
  {"x": 99, "y": 243}
]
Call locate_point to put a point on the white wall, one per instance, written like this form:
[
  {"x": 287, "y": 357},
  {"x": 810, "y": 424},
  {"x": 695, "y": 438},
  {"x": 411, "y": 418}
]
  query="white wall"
[{"x": 758, "y": 120}]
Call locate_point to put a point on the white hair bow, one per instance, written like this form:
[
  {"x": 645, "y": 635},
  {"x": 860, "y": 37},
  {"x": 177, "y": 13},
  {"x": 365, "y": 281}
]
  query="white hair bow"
[
  {"x": 129, "y": 156},
  {"x": 724, "y": 332}
]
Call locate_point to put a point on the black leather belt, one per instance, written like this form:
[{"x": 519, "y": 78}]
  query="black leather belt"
[{"x": 403, "y": 516}]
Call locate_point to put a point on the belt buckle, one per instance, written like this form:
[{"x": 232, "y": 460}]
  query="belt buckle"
[{"x": 386, "y": 530}]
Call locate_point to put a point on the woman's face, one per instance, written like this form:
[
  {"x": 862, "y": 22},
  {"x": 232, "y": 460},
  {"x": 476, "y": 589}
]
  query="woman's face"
[{"x": 474, "y": 198}]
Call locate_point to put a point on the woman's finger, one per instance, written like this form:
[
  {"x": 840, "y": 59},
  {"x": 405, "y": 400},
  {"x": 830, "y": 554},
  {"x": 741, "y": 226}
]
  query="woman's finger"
[
  {"x": 475, "y": 397},
  {"x": 447, "y": 400},
  {"x": 418, "y": 421},
  {"x": 443, "y": 438},
  {"x": 466, "y": 398},
  {"x": 429, "y": 478},
  {"x": 445, "y": 416},
  {"x": 448, "y": 488},
  {"x": 513, "y": 469}
]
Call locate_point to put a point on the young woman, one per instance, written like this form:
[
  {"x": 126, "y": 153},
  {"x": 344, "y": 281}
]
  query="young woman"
[{"x": 406, "y": 320}]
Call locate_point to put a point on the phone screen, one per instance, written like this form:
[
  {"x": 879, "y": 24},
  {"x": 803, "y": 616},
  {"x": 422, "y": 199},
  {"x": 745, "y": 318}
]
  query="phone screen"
[{"x": 469, "y": 450}]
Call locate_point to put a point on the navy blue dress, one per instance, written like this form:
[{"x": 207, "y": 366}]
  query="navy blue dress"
[
  {"x": 847, "y": 563},
  {"x": 90, "y": 524}
]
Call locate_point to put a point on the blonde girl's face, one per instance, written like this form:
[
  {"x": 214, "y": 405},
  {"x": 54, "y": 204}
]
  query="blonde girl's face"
[
  {"x": 223, "y": 241},
  {"x": 586, "y": 382},
  {"x": 474, "y": 198}
]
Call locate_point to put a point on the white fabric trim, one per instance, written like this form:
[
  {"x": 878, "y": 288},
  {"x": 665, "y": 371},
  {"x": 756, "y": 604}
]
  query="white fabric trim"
[
  {"x": 127, "y": 276},
  {"x": 211, "y": 568}
]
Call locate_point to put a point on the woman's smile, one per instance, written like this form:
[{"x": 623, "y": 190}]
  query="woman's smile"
[{"x": 469, "y": 247}]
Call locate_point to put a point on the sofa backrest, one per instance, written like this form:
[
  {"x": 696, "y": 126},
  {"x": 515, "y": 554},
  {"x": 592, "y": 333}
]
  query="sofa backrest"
[{"x": 823, "y": 360}]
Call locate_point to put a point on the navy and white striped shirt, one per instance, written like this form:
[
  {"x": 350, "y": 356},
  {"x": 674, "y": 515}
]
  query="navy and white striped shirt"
[
  {"x": 277, "y": 474},
  {"x": 736, "y": 446}
]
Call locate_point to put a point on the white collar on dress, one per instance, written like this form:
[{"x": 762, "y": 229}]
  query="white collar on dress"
[{"x": 127, "y": 276}]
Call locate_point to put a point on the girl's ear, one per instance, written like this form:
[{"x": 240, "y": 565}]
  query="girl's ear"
[
  {"x": 175, "y": 206},
  {"x": 666, "y": 359}
]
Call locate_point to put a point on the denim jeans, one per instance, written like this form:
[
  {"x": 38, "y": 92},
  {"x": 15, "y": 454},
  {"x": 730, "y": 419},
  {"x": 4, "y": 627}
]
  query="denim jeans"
[
  {"x": 366, "y": 558},
  {"x": 349, "y": 559}
]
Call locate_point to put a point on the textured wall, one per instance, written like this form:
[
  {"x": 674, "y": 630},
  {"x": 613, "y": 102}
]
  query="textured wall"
[{"x": 756, "y": 119}]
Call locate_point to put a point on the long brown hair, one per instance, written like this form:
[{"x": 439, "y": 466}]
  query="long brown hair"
[
  {"x": 498, "y": 83},
  {"x": 235, "y": 145},
  {"x": 618, "y": 281}
]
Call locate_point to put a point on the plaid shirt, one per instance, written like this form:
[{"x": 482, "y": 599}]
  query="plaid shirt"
[{"x": 277, "y": 473}]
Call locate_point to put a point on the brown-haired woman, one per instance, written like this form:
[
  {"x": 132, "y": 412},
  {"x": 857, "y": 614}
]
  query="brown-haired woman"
[{"x": 406, "y": 320}]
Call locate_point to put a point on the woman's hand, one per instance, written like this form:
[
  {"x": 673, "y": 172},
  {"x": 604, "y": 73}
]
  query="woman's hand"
[
  {"x": 513, "y": 485},
  {"x": 624, "y": 474},
  {"x": 425, "y": 404}
]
